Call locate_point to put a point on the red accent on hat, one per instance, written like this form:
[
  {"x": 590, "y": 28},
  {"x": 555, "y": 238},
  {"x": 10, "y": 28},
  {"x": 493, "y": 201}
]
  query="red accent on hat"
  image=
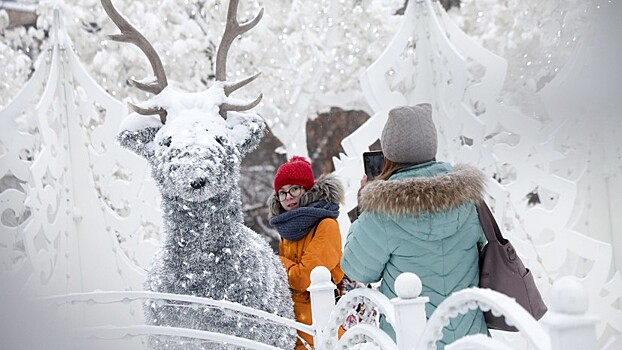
[{"x": 295, "y": 172}]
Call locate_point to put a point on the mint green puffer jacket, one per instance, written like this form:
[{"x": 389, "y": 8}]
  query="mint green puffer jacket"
[{"x": 421, "y": 220}]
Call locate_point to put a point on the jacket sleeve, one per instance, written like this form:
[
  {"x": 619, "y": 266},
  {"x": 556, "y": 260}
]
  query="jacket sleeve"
[
  {"x": 366, "y": 251},
  {"x": 323, "y": 250}
]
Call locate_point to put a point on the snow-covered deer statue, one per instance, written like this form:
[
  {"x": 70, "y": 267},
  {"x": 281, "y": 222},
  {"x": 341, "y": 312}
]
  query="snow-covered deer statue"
[{"x": 194, "y": 143}]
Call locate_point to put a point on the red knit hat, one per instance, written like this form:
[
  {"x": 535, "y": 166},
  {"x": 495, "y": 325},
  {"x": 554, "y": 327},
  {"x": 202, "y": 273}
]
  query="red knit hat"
[{"x": 295, "y": 172}]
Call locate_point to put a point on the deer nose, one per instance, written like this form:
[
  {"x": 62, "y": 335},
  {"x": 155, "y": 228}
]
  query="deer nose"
[{"x": 198, "y": 183}]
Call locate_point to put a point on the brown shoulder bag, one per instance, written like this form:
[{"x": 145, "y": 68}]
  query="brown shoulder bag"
[{"x": 501, "y": 270}]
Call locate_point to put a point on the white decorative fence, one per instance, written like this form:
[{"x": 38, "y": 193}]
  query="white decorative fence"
[{"x": 566, "y": 326}]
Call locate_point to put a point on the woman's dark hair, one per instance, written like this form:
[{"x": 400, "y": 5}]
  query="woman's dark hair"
[{"x": 389, "y": 168}]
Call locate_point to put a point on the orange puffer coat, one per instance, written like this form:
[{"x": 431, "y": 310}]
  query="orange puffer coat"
[{"x": 320, "y": 247}]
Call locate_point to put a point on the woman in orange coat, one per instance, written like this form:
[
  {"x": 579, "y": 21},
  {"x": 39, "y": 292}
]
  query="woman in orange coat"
[{"x": 304, "y": 213}]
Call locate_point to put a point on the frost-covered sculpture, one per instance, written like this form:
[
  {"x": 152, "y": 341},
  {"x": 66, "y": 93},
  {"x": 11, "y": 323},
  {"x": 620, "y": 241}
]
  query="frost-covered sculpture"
[{"x": 195, "y": 147}]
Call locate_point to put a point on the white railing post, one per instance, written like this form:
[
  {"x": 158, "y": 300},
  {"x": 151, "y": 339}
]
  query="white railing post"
[
  {"x": 567, "y": 323},
  {"x": 409, "y": 308},
  {"x": 322, "y": 291}
]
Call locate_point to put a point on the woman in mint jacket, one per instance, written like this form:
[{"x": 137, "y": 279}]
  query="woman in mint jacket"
[{"x": 419, "y": 216}]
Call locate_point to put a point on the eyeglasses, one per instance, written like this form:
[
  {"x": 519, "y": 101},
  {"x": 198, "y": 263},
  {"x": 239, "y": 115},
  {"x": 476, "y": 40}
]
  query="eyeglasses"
[{"x": 293, "y": 191}]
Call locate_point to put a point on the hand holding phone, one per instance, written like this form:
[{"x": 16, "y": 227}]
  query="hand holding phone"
[{"x": 373, "y": 163}]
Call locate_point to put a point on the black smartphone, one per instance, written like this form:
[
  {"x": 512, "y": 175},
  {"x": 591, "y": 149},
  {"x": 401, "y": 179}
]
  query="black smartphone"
[{"x": 373, "y": 162}]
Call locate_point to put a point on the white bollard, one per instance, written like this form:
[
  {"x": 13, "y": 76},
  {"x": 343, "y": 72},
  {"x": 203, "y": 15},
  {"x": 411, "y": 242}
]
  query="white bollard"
[
  {"x": 322, "y": 291},
  {"x": 567, "y": 323},
  {"x": 409, "y": 310}
]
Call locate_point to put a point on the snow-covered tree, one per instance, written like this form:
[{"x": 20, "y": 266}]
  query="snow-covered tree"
[
  {"x": 310, "y": 52},
  {"x": 19, "y": 47},
  {"x": 536, "y": 38}
]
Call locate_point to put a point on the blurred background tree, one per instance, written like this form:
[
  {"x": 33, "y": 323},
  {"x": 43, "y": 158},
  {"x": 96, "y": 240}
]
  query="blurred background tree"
[{"x": 310, "y": 53}]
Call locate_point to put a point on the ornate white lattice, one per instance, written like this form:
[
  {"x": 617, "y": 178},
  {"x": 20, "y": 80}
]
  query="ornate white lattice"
[
  {"x": 431, "y": 60},
  {"x": 77, "y": 213}
]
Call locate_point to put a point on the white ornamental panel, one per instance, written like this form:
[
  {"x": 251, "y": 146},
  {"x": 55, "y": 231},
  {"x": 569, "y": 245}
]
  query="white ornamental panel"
[
  {"x": 431, "y": 60},
  {"x": 77, "y": 213}
]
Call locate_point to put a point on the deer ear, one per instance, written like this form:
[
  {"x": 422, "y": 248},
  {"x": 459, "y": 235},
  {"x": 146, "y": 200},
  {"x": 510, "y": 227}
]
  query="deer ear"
[
  {"x": 139, "y": 141},
  {"x": 246, "y": 130},
  {"x": 137, "y": 133}
]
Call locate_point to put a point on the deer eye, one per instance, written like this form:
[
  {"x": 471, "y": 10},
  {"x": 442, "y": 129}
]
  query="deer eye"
[{"x": 166, "y": 141}]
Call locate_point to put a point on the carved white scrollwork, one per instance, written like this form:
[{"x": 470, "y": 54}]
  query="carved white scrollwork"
[
  {"x": 485, "y": 299},
  {"x": 431, "y": 60},
  {"x": 76, "y": 211}
]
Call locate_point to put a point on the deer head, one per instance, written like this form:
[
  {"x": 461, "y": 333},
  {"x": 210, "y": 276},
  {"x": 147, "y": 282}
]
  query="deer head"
[{"x": 193, "y": 141}]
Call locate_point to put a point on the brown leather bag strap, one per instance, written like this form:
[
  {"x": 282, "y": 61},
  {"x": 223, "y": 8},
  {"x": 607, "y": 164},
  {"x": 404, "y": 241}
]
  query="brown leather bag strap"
[
  {"x": 315, "y": 228},
  {"x": 337, "y": 292},
  {"x": 489, "y": 224}
]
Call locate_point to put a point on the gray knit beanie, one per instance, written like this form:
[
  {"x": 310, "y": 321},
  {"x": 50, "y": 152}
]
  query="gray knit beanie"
[{"x": 409, "y": 136}]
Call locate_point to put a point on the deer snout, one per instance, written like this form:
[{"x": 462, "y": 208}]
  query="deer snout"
[{"x": 198, "y": 183}]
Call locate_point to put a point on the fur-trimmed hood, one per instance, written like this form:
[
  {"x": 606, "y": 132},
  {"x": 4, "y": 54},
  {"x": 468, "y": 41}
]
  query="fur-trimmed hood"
[
  {"x": 465, "y": 184},
  {"x": 327, "y": 188}
]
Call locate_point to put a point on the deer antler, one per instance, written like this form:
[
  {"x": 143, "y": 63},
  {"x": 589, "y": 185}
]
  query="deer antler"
[
  {"x": 232, "y": 30},
  {"x": 129, "y": 34}
]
